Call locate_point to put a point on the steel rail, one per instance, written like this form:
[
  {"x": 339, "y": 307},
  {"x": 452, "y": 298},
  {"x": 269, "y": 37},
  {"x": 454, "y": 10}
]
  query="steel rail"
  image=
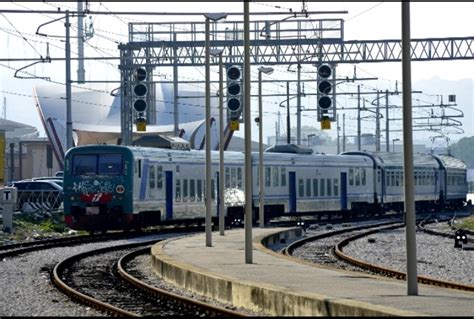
[
  {"x": 392, "y": 272},
  {"x": 210, "y": 309},
  {"x": 57, "y": 275}
]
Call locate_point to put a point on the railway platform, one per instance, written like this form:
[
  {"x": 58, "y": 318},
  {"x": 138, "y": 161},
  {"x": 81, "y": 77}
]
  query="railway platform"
[{"x": 278, "y": 285}]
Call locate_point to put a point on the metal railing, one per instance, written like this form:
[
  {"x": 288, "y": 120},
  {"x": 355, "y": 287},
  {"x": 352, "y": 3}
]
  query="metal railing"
[{"x": 44, "y": 200}]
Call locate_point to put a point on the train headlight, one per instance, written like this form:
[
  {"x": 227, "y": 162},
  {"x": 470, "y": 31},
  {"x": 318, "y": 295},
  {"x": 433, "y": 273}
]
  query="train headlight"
[{"x": 120, "y": 189}]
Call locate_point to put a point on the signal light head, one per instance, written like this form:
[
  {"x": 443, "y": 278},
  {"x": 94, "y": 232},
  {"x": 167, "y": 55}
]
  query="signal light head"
[
  {"x": 325, "y": 87},
  {"x": 324, "y": 71},
  {"x": 139, "y": 74},
  {"x": 233, "y": 73},
  {"x": 233, "y": 104},
  {"x": 324, "y": 102},
  {"x": 140, "y": 89},
  {"x": 139, "y": 105},
  {"x": 234, "y": 89}
]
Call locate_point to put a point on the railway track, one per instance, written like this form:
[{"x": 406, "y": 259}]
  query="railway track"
[
  {"x": 16, "y": 249},
  {"x": 100, "y": 279},
  {"x": 337, "y": 250}
]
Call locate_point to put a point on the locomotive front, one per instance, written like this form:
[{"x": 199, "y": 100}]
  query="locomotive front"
[{"x": 98, "y": 188}]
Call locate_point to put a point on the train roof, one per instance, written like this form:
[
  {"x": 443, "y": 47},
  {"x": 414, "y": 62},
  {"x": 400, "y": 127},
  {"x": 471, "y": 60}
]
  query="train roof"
[
  {"x": 451, "y": 162},
  {"x": 383, "y": 159}
]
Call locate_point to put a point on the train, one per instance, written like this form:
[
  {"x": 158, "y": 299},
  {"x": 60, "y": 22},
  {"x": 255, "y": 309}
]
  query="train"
[{"x": 115, "y": 187}]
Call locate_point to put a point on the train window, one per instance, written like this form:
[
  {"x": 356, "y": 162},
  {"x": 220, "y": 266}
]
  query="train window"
[
  {"x": 233, "y": 177},
  {"x": 199, "y": 190},
  {"x": 392, "y": 178},
  {"x": 275, "y": 176},
  {"x": 363, "y": 181},
  {"x": 239, "y": 177},
  {"x": 397, "y": 178},
  {"x": 321, "y": 188},
  {"x": 267, "y": 176},
  {"x": 336, "y": 187},
  {"x": 192, "y": 190},
  {"x": 227, "y": 177},
  {"x": 416, "y": 178},
  {"x": 178, "y": 190},
  {"x": 213, "y": 189},
  {"x": 387, "y": 179},
  {"x": 159, "y": 177},
  {"x": 110, "y": 164},
  {"x": 283, "y": 176},
  {"x": 84, "y": 164},
  {"x": 315, "y": 187},
  {"x": 185, "y": 190},
  {"x": 151, "y": 176},
  {"x": 300, "y": 187},
  {"x": 139, "y": 168},
  {"x": 308, "y": 187},
  {"x": 351, "y": 176},
  {"x": 379, "y": 176},
  {"x": 328, "y": 184}
]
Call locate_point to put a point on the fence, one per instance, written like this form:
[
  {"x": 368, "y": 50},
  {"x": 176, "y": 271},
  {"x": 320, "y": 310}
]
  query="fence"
[{"x": 39, "y": 200}]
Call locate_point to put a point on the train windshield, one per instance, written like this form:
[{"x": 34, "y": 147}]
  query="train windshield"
[{"x": 101, "y": 164}]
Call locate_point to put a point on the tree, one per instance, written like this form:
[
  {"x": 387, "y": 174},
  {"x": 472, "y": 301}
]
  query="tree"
[{"x": 464, "y": 150}]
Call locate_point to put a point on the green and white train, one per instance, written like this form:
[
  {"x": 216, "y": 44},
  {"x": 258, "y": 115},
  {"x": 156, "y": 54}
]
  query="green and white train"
[{"x": 110, "y": 187}]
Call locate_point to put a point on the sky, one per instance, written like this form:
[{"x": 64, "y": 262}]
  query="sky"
[{"x": 364, "y": 21}]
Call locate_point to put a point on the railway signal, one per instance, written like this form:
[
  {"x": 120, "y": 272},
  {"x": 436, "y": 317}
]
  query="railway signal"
[
  {"x": 326, "y": 95},
  {"x": 234, "y": 91},
  {"x": 140, "y": 90}
]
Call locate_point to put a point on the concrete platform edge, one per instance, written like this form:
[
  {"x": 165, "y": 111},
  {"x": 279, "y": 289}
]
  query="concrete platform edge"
[{"x": 256, "y": 296}]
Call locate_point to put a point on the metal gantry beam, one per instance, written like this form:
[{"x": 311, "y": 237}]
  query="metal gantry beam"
[{"x": 288, "y": 41}]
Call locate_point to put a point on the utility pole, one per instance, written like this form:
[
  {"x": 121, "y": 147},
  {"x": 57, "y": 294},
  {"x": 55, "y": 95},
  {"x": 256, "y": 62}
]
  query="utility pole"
[
  {"x": 377, "y": 124},
  {"x": 412, "y": 277},
  {"x": 298, "y": 107},
  {"x": 69, "y": 141},
  {"x": 338, "y": 129},
  {"x": 288, "y": 135},
  {"x": 81, "y": 73},
  {"x": 358, "y": 118},
  {"x": 343, "y": 132},
  {"x": 387, "y": 124}
]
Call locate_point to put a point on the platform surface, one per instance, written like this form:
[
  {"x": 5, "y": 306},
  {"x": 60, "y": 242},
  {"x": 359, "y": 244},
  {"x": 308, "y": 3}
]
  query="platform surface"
[{"x": 278, "y": 285}]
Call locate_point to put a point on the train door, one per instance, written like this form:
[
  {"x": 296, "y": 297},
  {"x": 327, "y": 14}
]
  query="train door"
[
  {"x": 144, "y": 179},
  {"x": 292, "y": 191},
  {"x": 343, "y": 191},
  {"x": 383, "y": 185},
  {"x": 169, "y": 194}
]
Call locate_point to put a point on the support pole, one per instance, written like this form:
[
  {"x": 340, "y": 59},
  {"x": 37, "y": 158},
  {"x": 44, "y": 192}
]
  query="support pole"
[
  {"x": 261, "y": 200},
  {"x": 208, "y": 144},
  {"x": 387, "y": 124},
  {"x": 298, "y": 107},
  {"x": 344, "y": 132},
  {"x": 175, "y": 89},
  {"x": 412, "y": 280},
  {"x": 81, "y": 72},
  {"x": 221, "y": 151},
  {"x": 358, "y": 118},
  {"x": 288, "y": 135},
  {"x": 69, "y": 141},
  {"x": 248, "y": 141},
  {"x": 377, "y": 124}
]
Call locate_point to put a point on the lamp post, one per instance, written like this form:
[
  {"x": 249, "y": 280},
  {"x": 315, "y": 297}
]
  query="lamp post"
[
  {"x": 218, "y": 52},
  {"x": 214, "y": 17},
  {"x": 393, "y": 144},
  {"x": 266, "y": 70}
]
